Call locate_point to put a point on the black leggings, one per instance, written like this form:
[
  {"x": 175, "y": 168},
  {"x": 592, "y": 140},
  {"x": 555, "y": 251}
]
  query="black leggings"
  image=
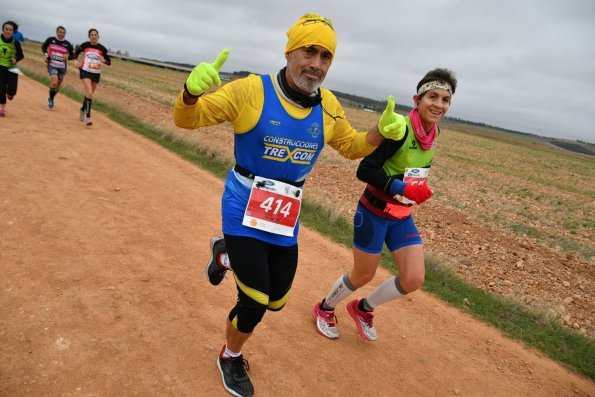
[
  {"x": 8, "y": 84},
  {"x": 264, "y": 274}
]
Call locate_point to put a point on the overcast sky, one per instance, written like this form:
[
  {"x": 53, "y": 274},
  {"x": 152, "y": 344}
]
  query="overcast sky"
[{"x": 525, "y": 65}]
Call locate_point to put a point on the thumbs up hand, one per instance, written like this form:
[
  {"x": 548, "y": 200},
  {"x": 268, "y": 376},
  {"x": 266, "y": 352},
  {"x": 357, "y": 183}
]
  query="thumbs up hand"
[
  {"x": 391, "y": 125},
  {"x": 205, "y": 74}
]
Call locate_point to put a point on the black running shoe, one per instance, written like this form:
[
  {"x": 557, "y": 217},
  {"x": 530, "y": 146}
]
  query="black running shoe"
[
  {"x": 234, "y": 375},
  {"x": 216, "y": 272}
]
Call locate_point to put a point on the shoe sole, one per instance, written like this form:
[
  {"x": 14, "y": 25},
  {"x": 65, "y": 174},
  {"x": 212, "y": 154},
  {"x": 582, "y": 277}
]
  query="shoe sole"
[
  {"x": 207, "y": 272},
  {"x": 223, "y": 381},
  {"x": 358, "y": 324},
  {"x": 315, "y": 317}
]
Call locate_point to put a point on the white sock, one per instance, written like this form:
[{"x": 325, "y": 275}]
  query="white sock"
[
  {"x": 386, "y": 292},
  {"x": 224, "y": 261},
  {"x": 340, "y": 290},
  {"x": 229, "y": 353}
]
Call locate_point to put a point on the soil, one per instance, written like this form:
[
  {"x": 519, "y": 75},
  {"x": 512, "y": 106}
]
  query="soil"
[{"x": 103, "y": 240}]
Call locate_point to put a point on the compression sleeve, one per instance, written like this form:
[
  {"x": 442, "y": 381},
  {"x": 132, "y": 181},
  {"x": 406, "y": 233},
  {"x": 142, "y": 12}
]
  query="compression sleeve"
[
  {"x": 370, "y": 168},
  {"x": 19, "y": 51}
]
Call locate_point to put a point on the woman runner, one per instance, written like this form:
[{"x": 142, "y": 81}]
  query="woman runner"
[
  {"x": 94, "y": 55},
  {"x": 396, "y": 175}
]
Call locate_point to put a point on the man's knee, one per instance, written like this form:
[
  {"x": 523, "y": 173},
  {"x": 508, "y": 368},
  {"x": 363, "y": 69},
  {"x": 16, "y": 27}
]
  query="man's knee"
[
  {"x": 246, "y": 315},
  {"x": 277, "y": 305}
]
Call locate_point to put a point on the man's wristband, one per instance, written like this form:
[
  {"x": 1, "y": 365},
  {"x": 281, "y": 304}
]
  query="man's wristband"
[{"x": 191, "y": 95}]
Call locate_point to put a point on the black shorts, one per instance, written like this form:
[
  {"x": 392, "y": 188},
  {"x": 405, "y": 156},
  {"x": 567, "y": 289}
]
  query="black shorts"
[
  {"x": 263, "y": 269},
  {"x": 60, "y": 72},
  {"x": 83, "y": 74}
]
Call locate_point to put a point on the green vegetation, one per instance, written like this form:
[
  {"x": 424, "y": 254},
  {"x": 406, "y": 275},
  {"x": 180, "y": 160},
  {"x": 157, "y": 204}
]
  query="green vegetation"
[{"x": 516, "y": 321}]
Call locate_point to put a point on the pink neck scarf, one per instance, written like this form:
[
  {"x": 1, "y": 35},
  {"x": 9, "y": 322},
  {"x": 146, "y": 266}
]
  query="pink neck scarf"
[{"x": 426, "y": 139}]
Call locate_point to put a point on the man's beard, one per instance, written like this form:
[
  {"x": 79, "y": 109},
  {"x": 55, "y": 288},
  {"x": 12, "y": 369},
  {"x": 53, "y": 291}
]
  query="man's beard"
[{"x": 305, "y": 84}]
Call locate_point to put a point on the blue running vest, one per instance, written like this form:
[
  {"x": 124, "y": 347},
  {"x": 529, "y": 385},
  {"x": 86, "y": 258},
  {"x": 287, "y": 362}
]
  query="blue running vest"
[{"x": 279, "y": 147}]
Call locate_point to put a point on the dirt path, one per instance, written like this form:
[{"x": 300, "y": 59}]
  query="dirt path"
[{"x": 103, "y": 237}]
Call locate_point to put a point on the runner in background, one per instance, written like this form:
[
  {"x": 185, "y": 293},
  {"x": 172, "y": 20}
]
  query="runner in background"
[
  {"x": 396, "y": 174},
  {"x": 57, "y": 52},
  {"x": 281, "y": 123},
  {"x": 94, "y": 55},
  {"x": 10, "y": 53},
  {"x": 17, "y": 35}
]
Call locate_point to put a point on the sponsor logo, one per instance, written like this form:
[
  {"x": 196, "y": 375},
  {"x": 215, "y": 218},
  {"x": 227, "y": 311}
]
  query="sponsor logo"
[
  {"x": 274, "y": 122},
  {"x": 314, "y": 130},
  {"x": 337, "y": 291},
  {"x": 266, "y": 184},
  {"x": 286, "y": 149},
  {"x": 283, "y": 153}
]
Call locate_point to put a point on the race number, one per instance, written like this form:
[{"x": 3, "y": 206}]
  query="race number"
[
  {"x": 94, "y": 64},
  {"x": 414, "y": 176},
  {"x": 273, "y": 206}
]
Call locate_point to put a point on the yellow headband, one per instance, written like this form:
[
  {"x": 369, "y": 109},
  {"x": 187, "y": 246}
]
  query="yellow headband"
[{"x": 312, "y": 29}]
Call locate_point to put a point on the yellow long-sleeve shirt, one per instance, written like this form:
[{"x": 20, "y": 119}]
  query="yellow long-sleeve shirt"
[{"x": 240, "y": 103}]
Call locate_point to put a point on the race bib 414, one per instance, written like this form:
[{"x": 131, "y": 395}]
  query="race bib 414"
[{"x": 273, "y": 206}]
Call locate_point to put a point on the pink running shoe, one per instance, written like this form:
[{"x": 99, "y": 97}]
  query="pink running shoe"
[
  {"x": 2, "y": 112},
  {"x": 326, "y": 322},
  {"x": 363, "y": 320}
]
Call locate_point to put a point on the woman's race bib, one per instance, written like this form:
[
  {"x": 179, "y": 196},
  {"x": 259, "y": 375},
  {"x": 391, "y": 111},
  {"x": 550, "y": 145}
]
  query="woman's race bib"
[
  {"x": 273, "y": 206},
  {"x": 414, "y": 176}
]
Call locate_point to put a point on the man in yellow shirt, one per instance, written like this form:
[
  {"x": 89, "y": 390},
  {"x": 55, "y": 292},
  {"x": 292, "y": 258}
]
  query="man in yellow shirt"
[{"x": 281, "y": 123}]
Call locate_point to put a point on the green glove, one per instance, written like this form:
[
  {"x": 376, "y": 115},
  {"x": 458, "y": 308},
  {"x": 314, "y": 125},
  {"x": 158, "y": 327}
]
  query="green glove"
[
  {"x": 206, "y": 74},
  {"x": 391, "y": 125}
]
